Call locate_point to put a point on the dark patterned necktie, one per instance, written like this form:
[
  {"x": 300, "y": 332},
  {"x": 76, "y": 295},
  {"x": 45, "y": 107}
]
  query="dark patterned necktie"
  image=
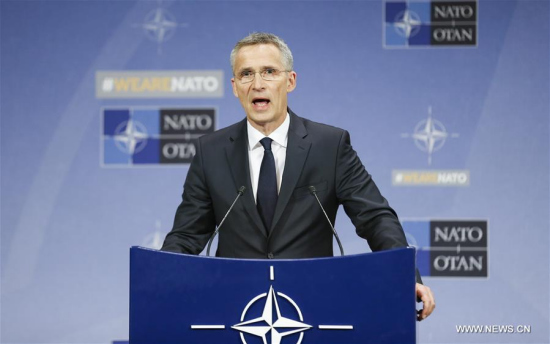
[{"x": 266, "y": 198}]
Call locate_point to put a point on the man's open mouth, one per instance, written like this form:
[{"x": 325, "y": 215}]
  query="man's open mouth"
[{"x": 260, "y": 101}]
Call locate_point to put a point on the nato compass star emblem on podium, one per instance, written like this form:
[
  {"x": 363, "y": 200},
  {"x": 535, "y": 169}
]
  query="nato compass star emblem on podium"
[{"x": 272, "y": 325}]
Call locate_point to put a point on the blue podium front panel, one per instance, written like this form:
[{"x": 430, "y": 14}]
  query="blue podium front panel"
[{"x": 366, "y": 298}]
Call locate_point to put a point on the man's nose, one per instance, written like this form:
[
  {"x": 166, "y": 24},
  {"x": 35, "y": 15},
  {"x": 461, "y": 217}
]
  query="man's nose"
[{"x": 258, "y": 82}]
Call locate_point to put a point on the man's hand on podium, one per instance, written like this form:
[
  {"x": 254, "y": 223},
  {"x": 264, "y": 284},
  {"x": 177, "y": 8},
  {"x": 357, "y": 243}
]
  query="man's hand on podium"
[{"x": 425, "y": 294}]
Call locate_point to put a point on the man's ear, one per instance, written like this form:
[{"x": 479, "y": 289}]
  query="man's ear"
[
  {"x": 291, "y": 81},
  {"x": 234, "y": 86}
]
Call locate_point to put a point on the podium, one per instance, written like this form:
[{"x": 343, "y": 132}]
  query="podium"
[{"x": 184, "y": 299}]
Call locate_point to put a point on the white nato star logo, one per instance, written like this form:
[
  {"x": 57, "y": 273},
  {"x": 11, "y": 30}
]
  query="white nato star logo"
[
  {"x": 429, "y": 135},
  {"x": 407, "y": 23},
  {"x": 160, "y": 25},
  {"x": 272, "y": 325},
  {"x": 130, "y": 137}
]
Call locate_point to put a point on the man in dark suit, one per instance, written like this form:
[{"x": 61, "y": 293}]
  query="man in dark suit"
[{"x": 278, "y": 156}]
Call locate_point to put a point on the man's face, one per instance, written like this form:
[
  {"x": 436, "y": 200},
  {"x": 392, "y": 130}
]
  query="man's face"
[{"x": 265, "y": 102}]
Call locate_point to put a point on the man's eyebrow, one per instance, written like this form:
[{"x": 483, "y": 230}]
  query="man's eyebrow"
[
  {"x": 249, "y": 69},
  {"x": 244, "y": 69}
]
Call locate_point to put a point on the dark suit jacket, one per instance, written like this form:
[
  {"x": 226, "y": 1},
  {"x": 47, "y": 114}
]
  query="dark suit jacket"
[{"x": 318, "y": 155}]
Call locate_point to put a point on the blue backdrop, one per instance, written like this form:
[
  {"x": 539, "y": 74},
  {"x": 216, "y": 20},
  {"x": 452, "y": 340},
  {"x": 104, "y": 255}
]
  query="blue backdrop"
[{"x": 68, "y": 220}]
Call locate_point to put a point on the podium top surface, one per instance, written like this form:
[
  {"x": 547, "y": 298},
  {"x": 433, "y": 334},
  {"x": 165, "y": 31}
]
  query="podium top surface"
[{"x": 350, "y": 256}]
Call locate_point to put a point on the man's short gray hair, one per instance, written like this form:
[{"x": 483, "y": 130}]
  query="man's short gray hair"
[{"x": 264, "y": 38}]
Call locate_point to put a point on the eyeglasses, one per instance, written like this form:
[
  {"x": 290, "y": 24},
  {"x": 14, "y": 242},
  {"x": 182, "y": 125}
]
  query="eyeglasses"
[{"x": 268, "y": 74}]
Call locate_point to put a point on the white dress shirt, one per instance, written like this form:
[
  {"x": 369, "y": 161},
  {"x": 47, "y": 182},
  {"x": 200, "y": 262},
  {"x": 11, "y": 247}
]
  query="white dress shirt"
[{"x": 256, "y": 152}]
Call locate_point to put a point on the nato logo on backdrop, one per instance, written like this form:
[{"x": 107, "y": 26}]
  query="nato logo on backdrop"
[
  {"x": 429, "y": 136},
  {"x": 140, "y": 136},
  {"x": 449, "y": 248},
  {"x": 159, "y": 25},
  {"x": 409, "y": 24}
]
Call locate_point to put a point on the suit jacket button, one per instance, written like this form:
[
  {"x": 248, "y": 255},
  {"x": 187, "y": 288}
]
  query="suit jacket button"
[{"x": 270, "y": 255}]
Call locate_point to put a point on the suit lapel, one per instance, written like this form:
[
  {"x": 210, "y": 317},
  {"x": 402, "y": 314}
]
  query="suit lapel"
[
  {"x": 237, "y": 158},
  {"x": 296, "y": 153}
]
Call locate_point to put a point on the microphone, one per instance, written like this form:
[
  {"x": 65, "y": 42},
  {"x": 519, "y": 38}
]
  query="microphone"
[
  {"x": 241, "y": 191},
  {"x": 314, "y": 192}
]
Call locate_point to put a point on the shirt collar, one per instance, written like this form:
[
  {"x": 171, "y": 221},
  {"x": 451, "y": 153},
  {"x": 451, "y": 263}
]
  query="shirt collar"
[{"x": 279, "y": 135}]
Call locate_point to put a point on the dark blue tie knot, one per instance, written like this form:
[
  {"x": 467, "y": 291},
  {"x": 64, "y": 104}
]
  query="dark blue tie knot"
[{"x": 266, "y": 142}]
